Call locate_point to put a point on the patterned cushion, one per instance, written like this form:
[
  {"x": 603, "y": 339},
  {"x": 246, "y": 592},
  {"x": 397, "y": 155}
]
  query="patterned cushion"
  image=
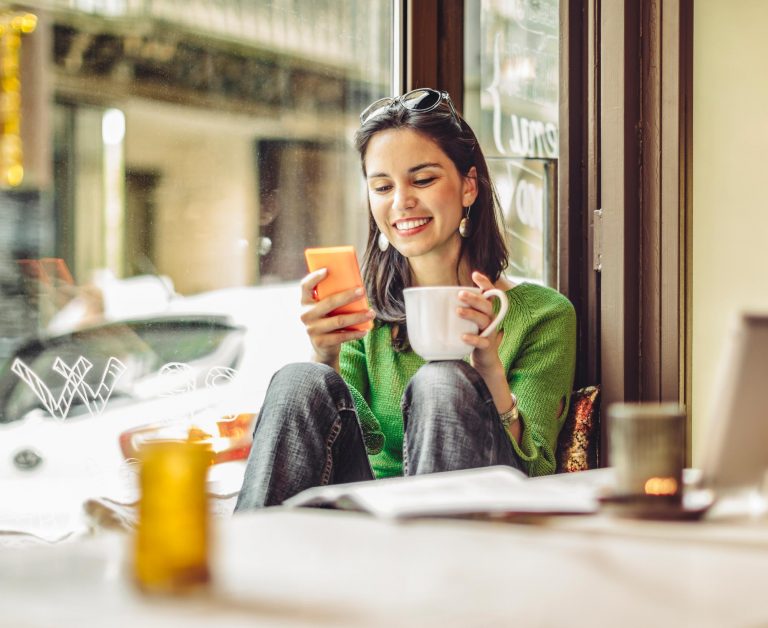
[{"x": 577, "y": 444}]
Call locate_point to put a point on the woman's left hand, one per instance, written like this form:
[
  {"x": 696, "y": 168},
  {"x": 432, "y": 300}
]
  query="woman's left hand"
[{"x": 485, "y": 356}]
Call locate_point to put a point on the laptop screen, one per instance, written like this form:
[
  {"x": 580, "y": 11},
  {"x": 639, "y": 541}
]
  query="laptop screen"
[{"x": 735, "y": 446}]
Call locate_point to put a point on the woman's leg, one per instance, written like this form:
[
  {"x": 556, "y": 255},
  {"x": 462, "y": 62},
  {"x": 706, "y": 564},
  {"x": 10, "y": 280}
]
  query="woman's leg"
[
  {"x": 307, "y": 435},
  {"x": 451, "y": 421}
]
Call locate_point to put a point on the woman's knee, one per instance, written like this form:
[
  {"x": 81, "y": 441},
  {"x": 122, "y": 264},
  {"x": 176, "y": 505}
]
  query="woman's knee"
[
  {"x": 306, "y": 393},
  {"x": 303, "y": 376},
  {"x": 453, "y": 375},
  {"x": 440, "y": 390}
]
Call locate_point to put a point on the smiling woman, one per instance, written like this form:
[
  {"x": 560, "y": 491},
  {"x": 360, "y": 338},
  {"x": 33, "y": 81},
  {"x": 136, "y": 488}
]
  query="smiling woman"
[{"x": 369, "y": 406}]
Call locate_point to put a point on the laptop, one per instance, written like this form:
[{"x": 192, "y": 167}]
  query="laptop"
[{"x": 734, "y": 451}]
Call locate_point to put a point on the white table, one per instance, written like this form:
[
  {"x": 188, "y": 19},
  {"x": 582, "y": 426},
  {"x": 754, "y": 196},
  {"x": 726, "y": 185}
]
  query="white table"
[{"x": 282, "y": 567}]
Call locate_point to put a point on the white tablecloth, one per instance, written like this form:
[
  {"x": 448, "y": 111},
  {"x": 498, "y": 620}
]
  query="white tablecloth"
[{"x": 304, "y": 567}]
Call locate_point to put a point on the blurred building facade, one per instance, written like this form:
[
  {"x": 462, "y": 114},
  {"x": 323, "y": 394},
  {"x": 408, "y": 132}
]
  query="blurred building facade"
[{"x": 205, "y": 141}]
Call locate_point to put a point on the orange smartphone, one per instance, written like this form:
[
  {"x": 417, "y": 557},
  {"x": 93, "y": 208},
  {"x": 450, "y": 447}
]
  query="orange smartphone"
[{"x": 343, "y": 274}]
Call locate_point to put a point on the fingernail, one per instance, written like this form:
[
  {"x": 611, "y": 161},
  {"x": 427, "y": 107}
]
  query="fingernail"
[{"x": 359, "y": 292}]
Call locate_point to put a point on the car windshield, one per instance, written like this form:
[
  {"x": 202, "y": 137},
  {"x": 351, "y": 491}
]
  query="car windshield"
[{"x": 78, "y": 373}]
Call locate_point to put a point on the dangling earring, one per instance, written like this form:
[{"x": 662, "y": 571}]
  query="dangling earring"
[
  {"x": 465, "y": 225},
  {"x": 382, "y": 242}
]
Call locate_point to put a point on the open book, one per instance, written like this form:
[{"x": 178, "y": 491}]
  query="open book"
[{"x": 497, "y": 490}]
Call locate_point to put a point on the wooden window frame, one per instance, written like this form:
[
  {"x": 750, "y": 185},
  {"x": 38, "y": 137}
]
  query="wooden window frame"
[
  {"x": 434, "y": 42},
  {"x": 645, "y": 123},
  {"x": 624, "y": 179}
]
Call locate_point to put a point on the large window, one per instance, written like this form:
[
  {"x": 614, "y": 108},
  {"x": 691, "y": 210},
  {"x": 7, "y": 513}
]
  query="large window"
[{"x": 149, "y": 267}]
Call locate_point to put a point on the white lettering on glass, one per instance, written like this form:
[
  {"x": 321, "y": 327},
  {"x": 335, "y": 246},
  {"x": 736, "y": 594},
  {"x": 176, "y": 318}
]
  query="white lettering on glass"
[
  {"x": 525, "y": 137},
  {"x": 219, "y": 375},
  {"x": 529, "y": 138},
  {"x": 493, "y": 91},
  {"x": 181, "y": 376},
  {"x": 529, "y": 199},
  {"x": 74, "y": 384}
]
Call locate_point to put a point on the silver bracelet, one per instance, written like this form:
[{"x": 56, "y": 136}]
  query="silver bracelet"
[{"x": 510, "y": 416}]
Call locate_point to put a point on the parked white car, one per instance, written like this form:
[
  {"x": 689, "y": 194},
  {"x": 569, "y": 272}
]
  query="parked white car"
[{"x": 74, "y": 407}]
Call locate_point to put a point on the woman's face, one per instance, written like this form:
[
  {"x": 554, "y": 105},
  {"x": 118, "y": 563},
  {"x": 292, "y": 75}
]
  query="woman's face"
[{"x": 417, "y": 195}]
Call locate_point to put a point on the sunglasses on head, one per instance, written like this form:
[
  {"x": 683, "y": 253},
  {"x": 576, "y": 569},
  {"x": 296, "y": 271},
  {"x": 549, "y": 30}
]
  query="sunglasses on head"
[{"x": 422, "y": 99}]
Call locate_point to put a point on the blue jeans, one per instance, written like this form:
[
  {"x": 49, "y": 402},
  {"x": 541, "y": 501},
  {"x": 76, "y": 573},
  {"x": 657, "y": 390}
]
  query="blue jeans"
[{"x": 308, "y": 433}]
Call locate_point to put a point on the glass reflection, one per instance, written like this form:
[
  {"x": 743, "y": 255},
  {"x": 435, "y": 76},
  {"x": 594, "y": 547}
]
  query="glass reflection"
[{"x": 511, "y": 97}]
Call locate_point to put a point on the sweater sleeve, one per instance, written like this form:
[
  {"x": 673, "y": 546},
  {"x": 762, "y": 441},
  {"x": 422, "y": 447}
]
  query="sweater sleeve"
[
  {"x": 353, "y": 370},
  {"x": 541, "y": 377}
]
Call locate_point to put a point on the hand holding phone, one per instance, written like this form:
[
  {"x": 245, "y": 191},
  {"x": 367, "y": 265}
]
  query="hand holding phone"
[{"x": 343, "y": 274}]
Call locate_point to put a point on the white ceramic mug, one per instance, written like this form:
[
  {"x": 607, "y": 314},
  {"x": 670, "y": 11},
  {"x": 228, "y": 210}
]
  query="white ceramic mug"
[{"x": 435, "y": 328}]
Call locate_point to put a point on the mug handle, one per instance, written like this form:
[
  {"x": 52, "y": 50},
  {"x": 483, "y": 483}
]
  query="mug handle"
[{"x": 504, "y": 305}]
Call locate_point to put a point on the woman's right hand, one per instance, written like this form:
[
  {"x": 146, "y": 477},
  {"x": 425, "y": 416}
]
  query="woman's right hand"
[{"x": 328, "y": 331}]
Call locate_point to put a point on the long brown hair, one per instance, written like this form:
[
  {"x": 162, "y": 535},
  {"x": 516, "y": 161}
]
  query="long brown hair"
[{"x": 387, "y": 273}]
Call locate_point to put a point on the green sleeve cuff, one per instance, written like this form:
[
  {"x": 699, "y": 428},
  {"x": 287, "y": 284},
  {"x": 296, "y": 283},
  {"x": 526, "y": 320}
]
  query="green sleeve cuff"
[
  {"x": 534, "y": 455},
  {"x": 526, "y": 449}
]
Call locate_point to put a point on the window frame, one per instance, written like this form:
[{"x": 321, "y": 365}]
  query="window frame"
[
  {"x": 645, "y": 190},
  {"x": 623, "y": 222}
]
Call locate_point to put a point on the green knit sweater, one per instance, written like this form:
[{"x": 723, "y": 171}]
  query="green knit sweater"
[{"x": 538, "y": 352}]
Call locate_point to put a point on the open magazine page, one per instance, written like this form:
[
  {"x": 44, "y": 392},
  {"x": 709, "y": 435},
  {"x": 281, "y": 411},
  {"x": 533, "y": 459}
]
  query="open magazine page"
[{"x": 490, "y": 490}]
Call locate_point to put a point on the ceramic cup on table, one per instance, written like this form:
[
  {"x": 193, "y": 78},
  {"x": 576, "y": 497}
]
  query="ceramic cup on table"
[
  {"x": 646, "y": 442},
  {"x": 434, "y": 326}
]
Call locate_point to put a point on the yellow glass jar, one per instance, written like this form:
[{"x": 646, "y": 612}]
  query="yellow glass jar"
[{"x": 172, "y": 538}]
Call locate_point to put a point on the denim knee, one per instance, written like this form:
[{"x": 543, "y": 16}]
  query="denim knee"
[
  {"x": 450, "y": 421},
  {"x": 454, "y": 375},
  {"x": 306, "y": 391},
  {"x": 304, "y": 375}
]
